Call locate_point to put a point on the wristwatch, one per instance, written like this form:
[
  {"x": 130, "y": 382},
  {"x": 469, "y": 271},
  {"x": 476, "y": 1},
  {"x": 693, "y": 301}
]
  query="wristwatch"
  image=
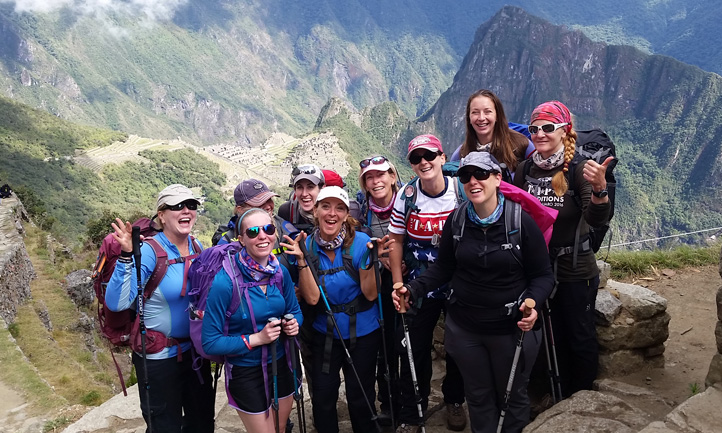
[{"x": 600, "y": 194}]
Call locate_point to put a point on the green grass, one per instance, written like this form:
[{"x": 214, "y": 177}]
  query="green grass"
[{"x": 639, "y": 263}]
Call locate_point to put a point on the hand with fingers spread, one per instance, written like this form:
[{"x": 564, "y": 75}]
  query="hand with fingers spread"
[
  {"x": 594, "y": 173},
  {"x": 293, "y": 248},
  {"x": 123, "y": 234},
  {"x": 385, "y": 246}
]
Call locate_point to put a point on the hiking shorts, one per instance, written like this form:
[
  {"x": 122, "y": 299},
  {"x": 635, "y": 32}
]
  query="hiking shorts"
[{"x": 248, "y": 387}]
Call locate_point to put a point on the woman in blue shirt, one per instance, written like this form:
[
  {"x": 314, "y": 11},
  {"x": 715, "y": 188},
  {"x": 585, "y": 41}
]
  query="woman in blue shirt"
[
  {"x": 266, "y": 292},
  {"x": 174, "y": 388},
  {"x": 338, "y": 252}
]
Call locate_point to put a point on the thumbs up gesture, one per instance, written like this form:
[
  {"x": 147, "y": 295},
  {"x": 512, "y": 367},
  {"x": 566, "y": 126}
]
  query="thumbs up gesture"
[{"x": 594, "y": 173}]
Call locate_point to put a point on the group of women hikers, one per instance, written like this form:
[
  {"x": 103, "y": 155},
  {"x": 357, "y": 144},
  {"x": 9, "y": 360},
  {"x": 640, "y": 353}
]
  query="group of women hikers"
[{"x": 331, "y": 273}]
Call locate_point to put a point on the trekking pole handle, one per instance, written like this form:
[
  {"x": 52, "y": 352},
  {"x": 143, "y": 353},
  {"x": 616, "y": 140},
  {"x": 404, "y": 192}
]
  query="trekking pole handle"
[
  {"x": 402, "y": 300},
  {"x": 374, "y": 249},
  {"x": 288, "y": 317},
  {"x": 529, "y": 305},
  {"x": 135, "y": 236}
]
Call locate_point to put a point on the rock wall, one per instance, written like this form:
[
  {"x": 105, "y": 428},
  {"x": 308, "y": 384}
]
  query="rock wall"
[
  {"x": 16, "y": 270},
  {"x": 715, "y": 369}
]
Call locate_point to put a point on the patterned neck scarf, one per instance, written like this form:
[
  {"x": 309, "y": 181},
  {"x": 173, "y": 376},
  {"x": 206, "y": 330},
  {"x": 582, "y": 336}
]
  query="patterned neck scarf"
[
  {"x": 552, "y": 162},
  {"x": 333, "y": 244},
  {"x": 254, "y": 269},
  {"x": 483, "y": 147},
  {"x": 383, "y": 213},
  {"x": 491, "y": 219}
]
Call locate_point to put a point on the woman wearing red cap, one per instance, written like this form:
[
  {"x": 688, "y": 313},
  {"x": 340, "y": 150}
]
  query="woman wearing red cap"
[{"x": 576, "y": 272}]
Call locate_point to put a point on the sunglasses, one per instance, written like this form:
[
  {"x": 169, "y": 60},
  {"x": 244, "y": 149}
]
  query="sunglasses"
[
  {"x": 305, "y": 169},
  {"x": 190, "y": 204},
  {"x": 253, "y": 232},
  {"x": 479, "y": 174},
  {"x": 547, "y": 128},
  {"x": 415, "y": 158},
  {"x": 376, "y": 160}
]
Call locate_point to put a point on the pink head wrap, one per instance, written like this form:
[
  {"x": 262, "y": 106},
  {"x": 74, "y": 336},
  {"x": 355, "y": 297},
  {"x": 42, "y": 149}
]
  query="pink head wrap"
[{"x": 553, "y": 111}]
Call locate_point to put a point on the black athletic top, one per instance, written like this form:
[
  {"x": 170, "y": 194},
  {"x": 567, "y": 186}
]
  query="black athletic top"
[{"x": 485, "y": 278}]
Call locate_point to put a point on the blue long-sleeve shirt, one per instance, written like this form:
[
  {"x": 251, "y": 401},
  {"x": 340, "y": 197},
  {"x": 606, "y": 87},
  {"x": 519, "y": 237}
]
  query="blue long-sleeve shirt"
[
  {"x": 273, "y": 303},
  {"x": 166, "y": 310}
]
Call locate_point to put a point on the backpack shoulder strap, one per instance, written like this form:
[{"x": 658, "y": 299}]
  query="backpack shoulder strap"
[
  {"x": 410, "y": 192},
  {"x": 351, "y": 270},
  {"x": 458, "y": 191},
  {"x": 161, "y": 267},
  {"x": 512, "y": 223},
  {"x": 458, "y": 224}
]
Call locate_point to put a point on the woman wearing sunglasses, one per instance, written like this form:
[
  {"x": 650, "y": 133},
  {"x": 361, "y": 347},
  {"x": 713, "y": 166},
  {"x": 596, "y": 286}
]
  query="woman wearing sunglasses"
[
  {"x": 175, "y": 388},
  {"x": 417, "y": 220},
  {"x": 489, "y": 280},
  {"x": 378, "y": 180},
  {"x": 250, "y": 330},
  {"x": 573, "y": 305},
  {"x": 351, "y": 294},
  {"x": 487, "y": 129}
]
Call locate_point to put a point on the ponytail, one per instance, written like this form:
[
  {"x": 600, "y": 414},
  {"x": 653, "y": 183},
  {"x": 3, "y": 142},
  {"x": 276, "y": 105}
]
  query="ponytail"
[{"x": 559, "y": 180}]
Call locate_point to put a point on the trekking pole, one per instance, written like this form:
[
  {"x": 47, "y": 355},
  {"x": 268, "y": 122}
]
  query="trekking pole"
[
  {"x": 549, "y": 336},
  {"x": 377, "y": 274},
  {"x": 274, "y": 373},
  {"x": 374, "y": 418},
  {"x": 547, "y": 351},
  {"x": 529, "y": 304},
  {"x": 410, "y": 353},
  {"x": 298, "y": 384},
  {"x": 135, "y": 236}
]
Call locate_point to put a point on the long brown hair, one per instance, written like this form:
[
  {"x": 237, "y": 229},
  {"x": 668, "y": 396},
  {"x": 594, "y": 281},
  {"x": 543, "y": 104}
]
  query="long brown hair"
[{"x": 505, "y": 142}]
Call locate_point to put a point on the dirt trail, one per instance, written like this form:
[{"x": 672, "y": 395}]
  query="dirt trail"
[{"x": 691, "y": 303}]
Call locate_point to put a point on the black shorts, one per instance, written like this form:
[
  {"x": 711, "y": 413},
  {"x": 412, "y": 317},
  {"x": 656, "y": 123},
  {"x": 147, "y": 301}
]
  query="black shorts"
[{"x": 247, "y": 386}]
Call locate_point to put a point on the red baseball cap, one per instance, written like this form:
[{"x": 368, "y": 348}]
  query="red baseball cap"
[{"x": 426, "y": 141}]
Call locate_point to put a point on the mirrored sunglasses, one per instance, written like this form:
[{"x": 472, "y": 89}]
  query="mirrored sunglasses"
[
  {"x": 548, "y": 128},
  {"x": 253, "y": 232},
  {"x": 376, "y": 160},
  {"x": 429, "y": 155}
]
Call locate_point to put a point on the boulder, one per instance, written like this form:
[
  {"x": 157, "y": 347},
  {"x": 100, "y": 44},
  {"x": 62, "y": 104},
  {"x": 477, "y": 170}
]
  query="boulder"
[
  {"x": 640, "y": 302},
  {"x": 605, "y": 270},
  {"x": 699, "y": 413},
  {"x": 589, "y": 411},
  {"x": 623, "y": 362},
  {"x": 634, "y": 334},
  {"x": 79, "y": 286},
  {"x": 718, "y": 336},
  {"x": 719, "y": 303},
  {"x": 607, "y": 306},
  {"x": 714, "y": 375}
]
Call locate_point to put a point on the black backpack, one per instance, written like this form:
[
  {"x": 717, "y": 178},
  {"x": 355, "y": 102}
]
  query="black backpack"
[
  {"x": 5, "y": 191},
  {"x": 596, "y": 145}
]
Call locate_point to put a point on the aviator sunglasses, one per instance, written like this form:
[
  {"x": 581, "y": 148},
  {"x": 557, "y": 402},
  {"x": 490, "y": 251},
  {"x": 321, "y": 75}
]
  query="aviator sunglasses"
[
  {"x": 190, "y": 204},
  {"x": 253, "y": 232},
  {"x": 429, "y": 155},
  {"x": 548, "y": 128},
  {"x": 479, "y": 174},
  {"x": 376, "y": 160}
]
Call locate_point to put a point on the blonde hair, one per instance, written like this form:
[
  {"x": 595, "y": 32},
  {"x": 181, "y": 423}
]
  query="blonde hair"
[{"x": 559, "y": 180}]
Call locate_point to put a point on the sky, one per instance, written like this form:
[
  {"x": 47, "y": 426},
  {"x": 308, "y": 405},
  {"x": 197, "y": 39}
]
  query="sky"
[{"x": 155, "y": 10}]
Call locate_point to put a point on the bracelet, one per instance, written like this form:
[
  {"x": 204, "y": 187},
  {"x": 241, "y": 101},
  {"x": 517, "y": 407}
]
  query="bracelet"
[
  {"x": 300, "y": 267},
  {"x": 125, "y": 260},
  {"x": 126, "y": 253},
  {"x": 245, "y": 340}
]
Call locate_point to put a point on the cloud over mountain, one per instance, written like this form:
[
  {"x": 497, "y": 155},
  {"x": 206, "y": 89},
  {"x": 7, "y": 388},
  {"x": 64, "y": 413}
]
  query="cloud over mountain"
[{"x": 154, "y": 10}]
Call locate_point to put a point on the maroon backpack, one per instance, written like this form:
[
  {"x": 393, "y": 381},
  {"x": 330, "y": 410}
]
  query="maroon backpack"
[{"x": 116, "y": 326}]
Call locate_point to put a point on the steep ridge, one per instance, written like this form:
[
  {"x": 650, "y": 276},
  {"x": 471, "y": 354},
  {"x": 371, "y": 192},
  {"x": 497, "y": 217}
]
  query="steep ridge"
[{"x": 663, "y": 115}]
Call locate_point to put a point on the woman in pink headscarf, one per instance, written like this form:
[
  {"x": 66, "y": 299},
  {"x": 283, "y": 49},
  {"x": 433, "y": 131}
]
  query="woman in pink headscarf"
[{"x": 547, "y": 177}]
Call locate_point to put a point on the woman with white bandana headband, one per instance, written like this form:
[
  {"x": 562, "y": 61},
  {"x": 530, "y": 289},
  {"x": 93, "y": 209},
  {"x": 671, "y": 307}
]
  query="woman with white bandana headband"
[
  {"x": 573, "y": 304},
  {"x": 484, "y": 315}
]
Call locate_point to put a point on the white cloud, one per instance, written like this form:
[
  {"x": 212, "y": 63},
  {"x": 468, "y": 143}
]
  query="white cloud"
[{"x": 154, "y": 10}]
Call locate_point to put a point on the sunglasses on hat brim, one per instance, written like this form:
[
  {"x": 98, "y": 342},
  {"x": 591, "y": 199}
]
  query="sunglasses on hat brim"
[{"x": 376, "y": 160}]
